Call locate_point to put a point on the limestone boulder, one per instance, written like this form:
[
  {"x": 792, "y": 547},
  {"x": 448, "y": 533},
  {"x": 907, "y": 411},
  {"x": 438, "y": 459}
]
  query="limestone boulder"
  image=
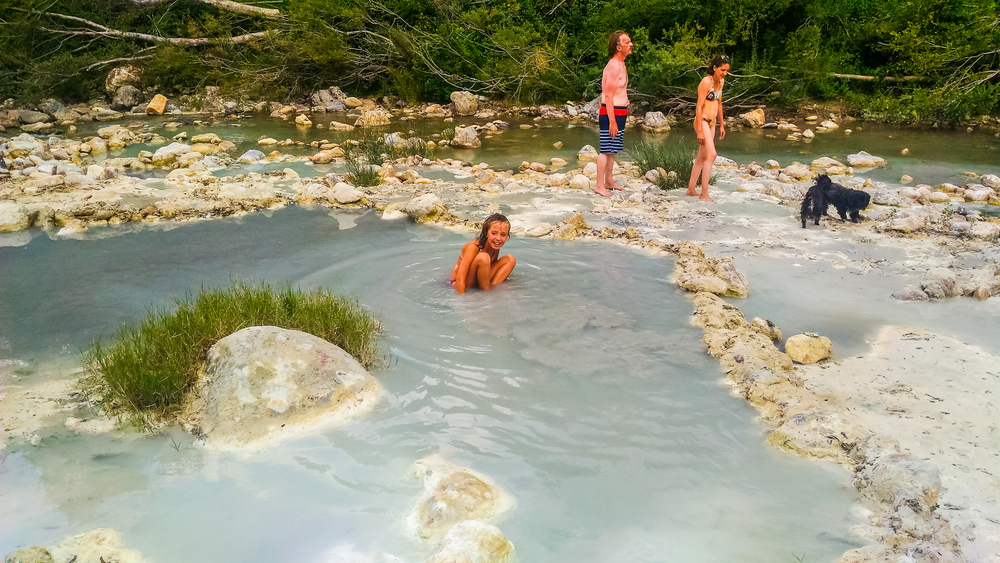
[
  {"x": 587, "y": 154},
  {"x": 95, "y": 546},
  {"x": 697, "y": 273},
  {"x": 906, "y": 223},
  {"x": 900, "y": 480},
  {"x": 473, "y": 541},
  {"x": 126, "y": 98},
  {"x": 539, "y": 230},
  {"x": 326, "y": 99},
  {"x": 34, "y": 554},
  {"x": 753, "y": 118},
  {"x": 303, "y": 120},
  {"x": 28, "y": 117},
  {"x": 265, "y": 383},
  {"x": 25, "y": 145},
  {"x": 579, "y": 182},
  {"x": 466, "y": 137},
  {"x": 373, "y": 118},
  {"x": 452, "y": 495},
  {"x": 825, "y": 162},
  {"x": 13, "y": 217},
  {"x": 865, "y": 160},
  {"x": 65, "y": 115},
  {"x": 251, "y": 156},
  {"x": 799, "y": 171},
  {"x": 426, "y": 208},
  {"x": 345, "y": 193},
  {"x": 556, "y": 180},
  {"x": 737, "y": 344},
  {"x": 990, "y": 181},
  {"x": 168, "y": 155},
  {"x": 570, "y": 228},
  {"x": 465, "y": 103},
  {"x": 128, "y": 75},
  {"x": 910, "y": 293},
  {"x": 338, "y": 126},
  {"x": 655, "y": 122},
  {"x": 808, "y": 348},
  {"x": 985, "y": 230},
  {"x": 157, "y": 105}
]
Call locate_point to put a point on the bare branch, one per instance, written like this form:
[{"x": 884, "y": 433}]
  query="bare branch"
[{"x": 120, "y": 60}]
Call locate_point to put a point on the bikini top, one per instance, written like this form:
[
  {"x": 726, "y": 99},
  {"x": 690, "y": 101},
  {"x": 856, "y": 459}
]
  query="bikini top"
[{"x": 714, "y": 95}]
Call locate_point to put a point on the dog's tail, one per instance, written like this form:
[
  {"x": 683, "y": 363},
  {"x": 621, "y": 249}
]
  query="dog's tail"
[{"x": 807, "y": 204}]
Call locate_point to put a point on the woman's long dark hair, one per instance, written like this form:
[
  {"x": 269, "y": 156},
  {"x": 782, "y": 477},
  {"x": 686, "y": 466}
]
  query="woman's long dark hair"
[
  {"x": 496, "y": 217},
  {"x": 717, "y": 61}
]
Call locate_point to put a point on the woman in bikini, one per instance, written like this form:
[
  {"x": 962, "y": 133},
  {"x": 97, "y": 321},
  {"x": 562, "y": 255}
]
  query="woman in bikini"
[
  {"x": 480, "y": 262},
  {"x": 708, "y": 114}
]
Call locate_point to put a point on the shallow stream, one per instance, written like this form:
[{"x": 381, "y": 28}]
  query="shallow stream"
[{"x": 578, "y": 386}]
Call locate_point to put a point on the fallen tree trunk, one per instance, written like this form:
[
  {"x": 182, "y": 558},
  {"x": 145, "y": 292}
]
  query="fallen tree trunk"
[
  {"x": 99, "y": 30},
  {"x": 228, "y": 6}
]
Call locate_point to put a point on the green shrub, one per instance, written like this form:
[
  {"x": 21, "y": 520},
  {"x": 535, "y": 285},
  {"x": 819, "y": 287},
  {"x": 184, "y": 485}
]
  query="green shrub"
[
  {"x": 668, "y": 157},
  {"x": 145, "y": 372}
]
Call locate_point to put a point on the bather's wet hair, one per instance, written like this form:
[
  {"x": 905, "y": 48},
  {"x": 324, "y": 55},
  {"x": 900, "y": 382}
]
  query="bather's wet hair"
[
  {"x": 495, "y": 218},
  {"x": 717, "y": 61},
  {"x": 613, "y": 40}
]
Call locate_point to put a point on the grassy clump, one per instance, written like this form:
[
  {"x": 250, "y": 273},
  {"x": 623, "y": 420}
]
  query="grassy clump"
[
  {"x": 145, "y": 372},
  {"x": 360, "y": 173},
  {"x": 665, "y": 158},
  {"x": 373, "y": 148}
]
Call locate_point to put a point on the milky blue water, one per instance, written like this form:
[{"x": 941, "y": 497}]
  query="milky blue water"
[{"x": 578, "y": 386}]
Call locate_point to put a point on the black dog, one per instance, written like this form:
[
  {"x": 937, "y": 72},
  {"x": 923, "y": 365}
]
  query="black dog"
[{"x": 825, "y": 192}]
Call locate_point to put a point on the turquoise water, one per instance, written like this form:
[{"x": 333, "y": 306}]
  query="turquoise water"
[{"x": 578, "y": 386}]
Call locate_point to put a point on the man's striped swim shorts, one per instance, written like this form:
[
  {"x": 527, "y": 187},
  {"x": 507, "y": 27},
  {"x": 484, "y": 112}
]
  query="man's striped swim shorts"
[{"x": 615, "y": 145}]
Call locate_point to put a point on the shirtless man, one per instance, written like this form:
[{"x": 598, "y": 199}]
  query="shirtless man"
[{"x": 614, "y": 101}]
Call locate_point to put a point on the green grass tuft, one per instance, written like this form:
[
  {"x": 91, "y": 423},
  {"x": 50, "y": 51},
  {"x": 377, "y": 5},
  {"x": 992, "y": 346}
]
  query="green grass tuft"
[
  {"x": 672, "y": 157},
  {"x": 145, "y": 372}
]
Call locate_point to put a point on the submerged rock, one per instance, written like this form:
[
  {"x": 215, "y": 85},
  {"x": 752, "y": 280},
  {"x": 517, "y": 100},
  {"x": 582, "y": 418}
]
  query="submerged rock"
[
  {"x": 466, "y": 137},
  {"x": 452, "y": 495},
  {"x": 865, "y": 160},
  {"x": 655, "y": 122},
  {"x": 102, "y": 545},
  {"x": 474, "y": 542},
  {"x": 264, "y": 383}
]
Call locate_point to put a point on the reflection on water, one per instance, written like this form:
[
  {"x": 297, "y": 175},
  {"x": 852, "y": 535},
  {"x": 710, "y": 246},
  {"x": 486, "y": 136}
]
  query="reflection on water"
[{"x": 578, "y": 386}]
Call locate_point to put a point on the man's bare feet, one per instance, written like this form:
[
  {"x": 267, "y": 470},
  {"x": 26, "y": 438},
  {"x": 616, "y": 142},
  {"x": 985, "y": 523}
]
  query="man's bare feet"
[
  {"x": 616, "y": 187},
  {"x": 602, "y": 192}
]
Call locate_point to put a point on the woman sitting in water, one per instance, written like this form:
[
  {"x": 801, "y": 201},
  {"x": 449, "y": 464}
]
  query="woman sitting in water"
[{"x": 480, "y": 263}]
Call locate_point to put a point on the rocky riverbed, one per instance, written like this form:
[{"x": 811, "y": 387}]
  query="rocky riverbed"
[{"x": 925, "y": 470}]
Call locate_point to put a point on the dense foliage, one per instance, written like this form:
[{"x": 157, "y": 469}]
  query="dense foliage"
[
  {"x": 906, "y": 58},
  {"x": 144, "y": 373}
]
